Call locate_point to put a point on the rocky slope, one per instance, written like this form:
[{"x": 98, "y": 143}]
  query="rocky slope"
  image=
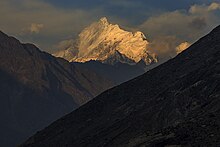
[
  {"x": 37, "y": 88},
  {"x": 108, "y": 43},
  {"x": 175, "y": 104}
]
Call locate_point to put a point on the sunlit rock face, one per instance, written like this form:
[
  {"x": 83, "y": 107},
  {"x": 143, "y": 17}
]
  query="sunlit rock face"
[
  {"x": 183, "y": 46},
  {"x": 108, "y": 43}
]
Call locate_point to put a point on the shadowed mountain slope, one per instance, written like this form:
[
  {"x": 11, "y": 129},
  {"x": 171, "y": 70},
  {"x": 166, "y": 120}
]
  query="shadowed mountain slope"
[
  {"x": 177, "y": 103},
  {"x": 117, "y": 73},
  {"x": 37, "y": 88}
]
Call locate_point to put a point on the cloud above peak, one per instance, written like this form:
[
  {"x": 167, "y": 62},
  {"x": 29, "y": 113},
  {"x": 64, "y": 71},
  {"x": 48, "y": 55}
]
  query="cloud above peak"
[
  {"x": 182, "y": 22},
  {"x": 199, "y": 9},
  {"x": 181, "y": 25},
  {"x": 214, "y": 6}
]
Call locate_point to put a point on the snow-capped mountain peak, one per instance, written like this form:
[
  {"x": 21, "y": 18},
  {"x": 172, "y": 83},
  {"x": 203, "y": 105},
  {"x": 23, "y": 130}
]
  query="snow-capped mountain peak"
[
  {"x": 102, "y": 40},
  {"x": 104, "y": 21}
]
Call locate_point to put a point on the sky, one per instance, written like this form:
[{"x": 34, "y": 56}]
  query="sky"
[{"x": 168, "y": 24}]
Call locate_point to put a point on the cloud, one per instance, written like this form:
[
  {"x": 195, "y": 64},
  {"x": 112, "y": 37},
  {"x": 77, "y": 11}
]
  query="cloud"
[
  {"x": 25, "y": 19},
  {"x": 183, "y": 46},
  {"x": 188, "y": 24},
  {"x": 198, "y": 23},
  {"x": 214, "y": 6},
  {"x": 181, "y": 26},
  {"x": 35, "y": 28},
  {"x": 202, "y": 9},
  {"x": 66, "y": 44},
  {"x": 163, "y": 46}
]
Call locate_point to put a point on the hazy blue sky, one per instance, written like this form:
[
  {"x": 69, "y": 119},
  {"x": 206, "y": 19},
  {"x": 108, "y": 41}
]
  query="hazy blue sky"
[{"x": 48, "y": 22}]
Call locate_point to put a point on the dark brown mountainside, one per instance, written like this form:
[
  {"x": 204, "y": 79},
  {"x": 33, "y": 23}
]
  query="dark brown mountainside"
[
  {"x": 177, "y": 103},
  {"x": 37, "y": 88}
]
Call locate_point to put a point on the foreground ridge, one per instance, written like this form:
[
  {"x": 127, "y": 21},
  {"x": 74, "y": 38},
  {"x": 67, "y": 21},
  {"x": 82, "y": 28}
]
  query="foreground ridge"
[{"x": 37, "y": 89}]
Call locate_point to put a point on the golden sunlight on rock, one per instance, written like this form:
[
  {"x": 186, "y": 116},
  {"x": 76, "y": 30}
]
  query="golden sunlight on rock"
[{"x": 182, "y": 47}]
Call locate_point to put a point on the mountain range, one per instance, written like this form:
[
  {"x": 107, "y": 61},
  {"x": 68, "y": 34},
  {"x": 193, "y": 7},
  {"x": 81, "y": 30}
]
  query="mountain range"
[
  {"x": 117, "y": 73},
  {"x": 108, "y": 43},
  {"x": 122, "y": 55},
  {"x": 174, "y": 104},
  {"x": 37, "y": 88}
]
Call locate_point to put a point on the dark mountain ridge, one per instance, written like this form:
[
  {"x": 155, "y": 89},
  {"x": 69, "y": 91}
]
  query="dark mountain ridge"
[
  {"x": 118, "y": 73},
  {"x": 177, "y": 103},
  {"x": 37, "y": 88}
]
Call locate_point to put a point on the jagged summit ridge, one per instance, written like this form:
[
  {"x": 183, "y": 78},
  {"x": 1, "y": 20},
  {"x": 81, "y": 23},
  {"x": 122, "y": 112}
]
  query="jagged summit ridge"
[
  {"x": 104, "y": 20},
  {"x": 102, "y": 40}
]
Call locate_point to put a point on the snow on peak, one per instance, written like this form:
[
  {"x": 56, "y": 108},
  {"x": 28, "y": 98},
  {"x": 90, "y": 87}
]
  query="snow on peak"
[
  {"x": 101, "y": 40},
  {"x": 104, "y": 20}
]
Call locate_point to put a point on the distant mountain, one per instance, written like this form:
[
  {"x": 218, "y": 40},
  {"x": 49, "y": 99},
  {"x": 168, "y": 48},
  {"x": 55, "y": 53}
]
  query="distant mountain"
[
  {"x": 118, "y": 73},
  {"x": 108, "y": 43},
  {"x": 110, "y": 51},
  {"x": 175, "y": 104},
  {"x": 37, "y": 88}
]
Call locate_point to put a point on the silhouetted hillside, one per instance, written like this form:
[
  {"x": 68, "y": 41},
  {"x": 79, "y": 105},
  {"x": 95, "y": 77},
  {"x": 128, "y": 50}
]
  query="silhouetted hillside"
[
  {"x": 177, "y": 103},
  {"x": 37, "y": 88}
]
